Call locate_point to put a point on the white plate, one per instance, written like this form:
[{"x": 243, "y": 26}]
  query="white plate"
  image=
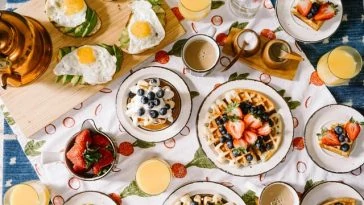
[
  {"x": 281, "y": 107},
  {"x": 203, "y": 187},
  {"x": 300, "y": 30},
  {"x": 327, "y": 160},
  {"x": 154, "y": 72},
  {"x": 327, "y": 190},
  {"x": 90, "y": 197}
]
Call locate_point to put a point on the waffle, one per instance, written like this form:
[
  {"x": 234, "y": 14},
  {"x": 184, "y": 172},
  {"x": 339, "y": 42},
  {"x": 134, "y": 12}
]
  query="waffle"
[
  {"x": 316, "y": 25},
  {"x": 342, "y": 201},
  {"x": 213, "y": 134},
  {"x": 202, "y": 199}
]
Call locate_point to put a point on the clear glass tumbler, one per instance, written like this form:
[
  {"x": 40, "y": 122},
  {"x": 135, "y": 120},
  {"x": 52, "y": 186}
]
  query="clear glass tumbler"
[{"x": 245, "y": 8}]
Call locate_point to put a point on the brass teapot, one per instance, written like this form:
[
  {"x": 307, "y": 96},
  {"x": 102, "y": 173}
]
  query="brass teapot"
[{"x": 25, "y": 49}]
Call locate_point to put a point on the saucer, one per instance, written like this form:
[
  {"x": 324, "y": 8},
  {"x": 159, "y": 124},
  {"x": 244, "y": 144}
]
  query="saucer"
[
  {"x": 330, "y": 161},
  {"x": 204, "y": 187},
  {"x": 90, "y": 197},
  {"x": 330, "y": 189},
  {"x": 300, "y": 30},
  {"x": 159, "y": 135}
]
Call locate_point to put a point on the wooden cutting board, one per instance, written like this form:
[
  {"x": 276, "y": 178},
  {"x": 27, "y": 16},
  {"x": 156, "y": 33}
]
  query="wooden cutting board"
[{"x": 36, "y": 105}]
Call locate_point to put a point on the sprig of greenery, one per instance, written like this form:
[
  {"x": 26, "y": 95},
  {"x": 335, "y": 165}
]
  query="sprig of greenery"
[
  {"x": 240, "y": 150},
  {"x": 231, "y": 107}
]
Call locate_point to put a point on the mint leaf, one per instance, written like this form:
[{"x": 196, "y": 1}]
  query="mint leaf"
[
  {"x": 231, "y": 107},
  {"x": 32, "y": 148},
  {"x": 194, "y": 94},
  {"x": 143, "y": 144},
  {"x": 236, "y": 76},
  {"x": 250, "y": 198},
  {"x": 217, "y": 4},
  {"x": 133, "y": 189},
  {"x": 293, "y": 104},
  {"x": 310, "y": 183},
  {"x": 238, "y": 25},
  {"x": 200, "y": 160},
  {"x": 177, "y": 48}
]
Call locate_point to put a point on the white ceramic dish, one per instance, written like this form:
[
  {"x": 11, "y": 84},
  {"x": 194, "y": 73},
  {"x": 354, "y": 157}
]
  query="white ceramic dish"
[
  {"x": 281, "y": 107},
  {"x": 146, "y": 73},
  {"x": 327, "y": 160},
  {"x": 300, "y": 30},
  {"x": 90, "y": 197},
  {"x": 203, "y": 187},
  {"x": 330, "y": 189}
]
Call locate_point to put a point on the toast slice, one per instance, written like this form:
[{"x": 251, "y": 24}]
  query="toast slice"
[
  {"x": 316, "y": 25},
  {"x": 342, "y": 201},
  {"x": 336, "y": 149}
]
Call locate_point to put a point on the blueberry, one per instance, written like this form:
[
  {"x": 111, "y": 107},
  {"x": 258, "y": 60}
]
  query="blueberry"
[
  {"x": 194, "y": 203},
  {"x": 131, "y": 94},
  {"x": 160, "y": 93},
  {"x": 342, "y": 138},
  {"x": 228, "y": 136},
  {"x": 338, "y": 130},
  {"x": 261, "y": 108},
  {"x": 156, "y": 102},
  {"x": 140, "y": 92},
  {"x": 223, "y": 139},
  {"x": 265, "y": 117},
  {"x": 262, "y": 148},
  {"x": 271, "y": 123},
  {"x": 266, "y": 138},
  {"x": 338, "y": 203},
  {"x": 167, "y": 106},
  {"x": 249, "y": 157},
  {"x": 345, "y": 147},
  {"x": 253, "y": 110},
  {"x": 141, "y": 111},
  {"x": 163, "y": 111},
  {"x": 150, "y": 104},
  {"x": 219, "y": 121},
  {"x": 236, "y": 153},
  {"x": 144, "y": 100},
  {"x": 230, "y": 144},
  {"x": 151, "y": 96},
  {"x": 310, "y": 15},
  {"x": 222, "y": 130},
  {"x": 153, "y": 114},
  {"x": 269, "y": 146},
  {"x": 224, "y": 118}
]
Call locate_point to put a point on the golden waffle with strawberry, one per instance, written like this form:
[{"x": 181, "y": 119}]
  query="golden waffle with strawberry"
[
  {"x": 314, "y": 13},
  {"x": 340, "y": 138},
  {"x": 244, "y": 127},
  {"x": 340, "y": 201}
]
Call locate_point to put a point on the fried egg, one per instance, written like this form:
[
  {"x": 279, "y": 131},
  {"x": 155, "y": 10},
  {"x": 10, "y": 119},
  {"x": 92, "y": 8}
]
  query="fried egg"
[
  {"x": 144, "y": 28},
  {"x": 94, "y": 63},
  {"x": 66, "y": 13}
]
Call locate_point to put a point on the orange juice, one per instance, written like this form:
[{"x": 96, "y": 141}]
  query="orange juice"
[
  {"x": 153, "y": 176},
  {"x": 29, "y": 193},
  {"x": 194, "y": 9},
  {"x": 339, "y": 66}
]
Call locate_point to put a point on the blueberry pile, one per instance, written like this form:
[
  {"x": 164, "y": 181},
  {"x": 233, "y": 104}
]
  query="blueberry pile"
[
  {"x": 343, "y": 138},
  {"x": 262, "y": 143},
  {"x": 258, "y": 111},
  {"x": 314, "y": 9}
]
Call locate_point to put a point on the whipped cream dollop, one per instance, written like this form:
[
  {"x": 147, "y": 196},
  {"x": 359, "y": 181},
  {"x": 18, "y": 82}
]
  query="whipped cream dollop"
[{"x": 150, "y": 103}]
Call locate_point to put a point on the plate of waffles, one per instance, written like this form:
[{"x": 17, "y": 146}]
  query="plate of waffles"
[
  {"x": 333, "y": 138},
  {"x": 203, "y": 192},
  {"x": 245, "y": 127},
  {"x": 149, "y": 104},
  {"x": 332, "y": 193},
  {"x": 309, "y": 20}
]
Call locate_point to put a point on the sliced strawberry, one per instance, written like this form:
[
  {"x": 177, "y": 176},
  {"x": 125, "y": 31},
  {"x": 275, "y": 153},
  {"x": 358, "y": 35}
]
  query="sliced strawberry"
[
  {"x": 106, "y": 159},
  {"x": 237, "y": 112},
  {"x": 304, "y": 7},
  {"x": 352, "y": 129},
  {"x": 326, "y": 11},
  {"x": 250, "y": 137},
  {"x": 268, "y": 34},
  {"x": 75, "y": 155},
  {"x": 251, "y": 121},
  {"x": 83, "y": 138},
  {"x": 330, "y": 138},
  {"x": 240, "y": 143},
  {"x": 265, "y": 129},
  {"x": 100, "y": 141},
  {"x": 235, "y": 128}
]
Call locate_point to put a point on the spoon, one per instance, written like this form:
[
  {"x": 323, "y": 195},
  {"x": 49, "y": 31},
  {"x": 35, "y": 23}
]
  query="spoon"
[
  {"x": 236, "y": 57},
  {"x": 285, "y": 55}
]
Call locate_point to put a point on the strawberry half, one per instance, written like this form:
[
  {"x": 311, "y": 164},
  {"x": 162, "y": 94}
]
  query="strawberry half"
[
  {"x": 106, "y": 159},
  {"x": 326, "y": 11},
  {"x": 330, "y": 138},
  {"x": 303, "y": 7},
  {"x": 75, "y": 155},
  {"x": 100, "y": 141},
  {"x": 265, "y": 129},
  {"x": 235, "y": 128},
  {"x": 253, "y": 122},
  {"x": 83, "y": 138},
  {"x": 240, "y": 143},
  {"x": 352, "y": 129},
  {"x": 250, "y": 137}
]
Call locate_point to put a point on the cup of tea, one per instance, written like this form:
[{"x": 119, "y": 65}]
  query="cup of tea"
[
  {"x": 200, "y": 54},
  {"x": 273, "y": 53},
  {"x": 279, "y": 193}
]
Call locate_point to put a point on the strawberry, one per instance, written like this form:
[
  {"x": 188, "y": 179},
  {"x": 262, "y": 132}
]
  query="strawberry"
[
  {"x": 235, "y": 128},
  {"x": 352, "y": 129},
  {"x": 116, "y": 198},
  {"x": 126, "y": 148},
  {"x": 330, "y": 138},
  {"x": 106, "y": 159},
  {"x": 100, "y": 141},
  {"x": 326, "y": 11},
  {"x": 177, "y": 13},
  {"x": 221, "y": 39},
  {"x": 304, "y": 7},
  {"x": 250, "y": 137},
  {"x": 75, "y": 155},
  {"x": 298, "y": 143},
  {"x": 268, "y": 34},
  {"x": 162, "y": 57},
  {"x": 237, "y": 112},
  {"x": 179, "y": 170},
  {"x": 251, "y": 121},
  {"x": 240, "y": 143},
  {"x": 83, "y": 138},
  {"x": 265, "y": 130}
]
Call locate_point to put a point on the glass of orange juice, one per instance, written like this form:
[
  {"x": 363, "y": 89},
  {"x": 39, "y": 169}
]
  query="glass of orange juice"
[
  {"x": 194, "y": 10},
  {"x": 28, "y": 193},
  {"x": 340, "y": 65}
]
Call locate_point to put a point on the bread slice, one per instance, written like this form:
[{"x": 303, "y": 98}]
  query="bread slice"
[
  {"x": 316, "y": 25},
  {"x": 336, "y": 149},
  {"x": 342, "y": 200}
]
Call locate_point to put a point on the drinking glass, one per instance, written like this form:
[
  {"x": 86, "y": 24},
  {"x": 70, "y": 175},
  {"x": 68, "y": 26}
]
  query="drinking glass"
[
  {"x": 33, "y": 192},
  {"x": 245, "y": 8},
  {"x": 194, "y": 10}
]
